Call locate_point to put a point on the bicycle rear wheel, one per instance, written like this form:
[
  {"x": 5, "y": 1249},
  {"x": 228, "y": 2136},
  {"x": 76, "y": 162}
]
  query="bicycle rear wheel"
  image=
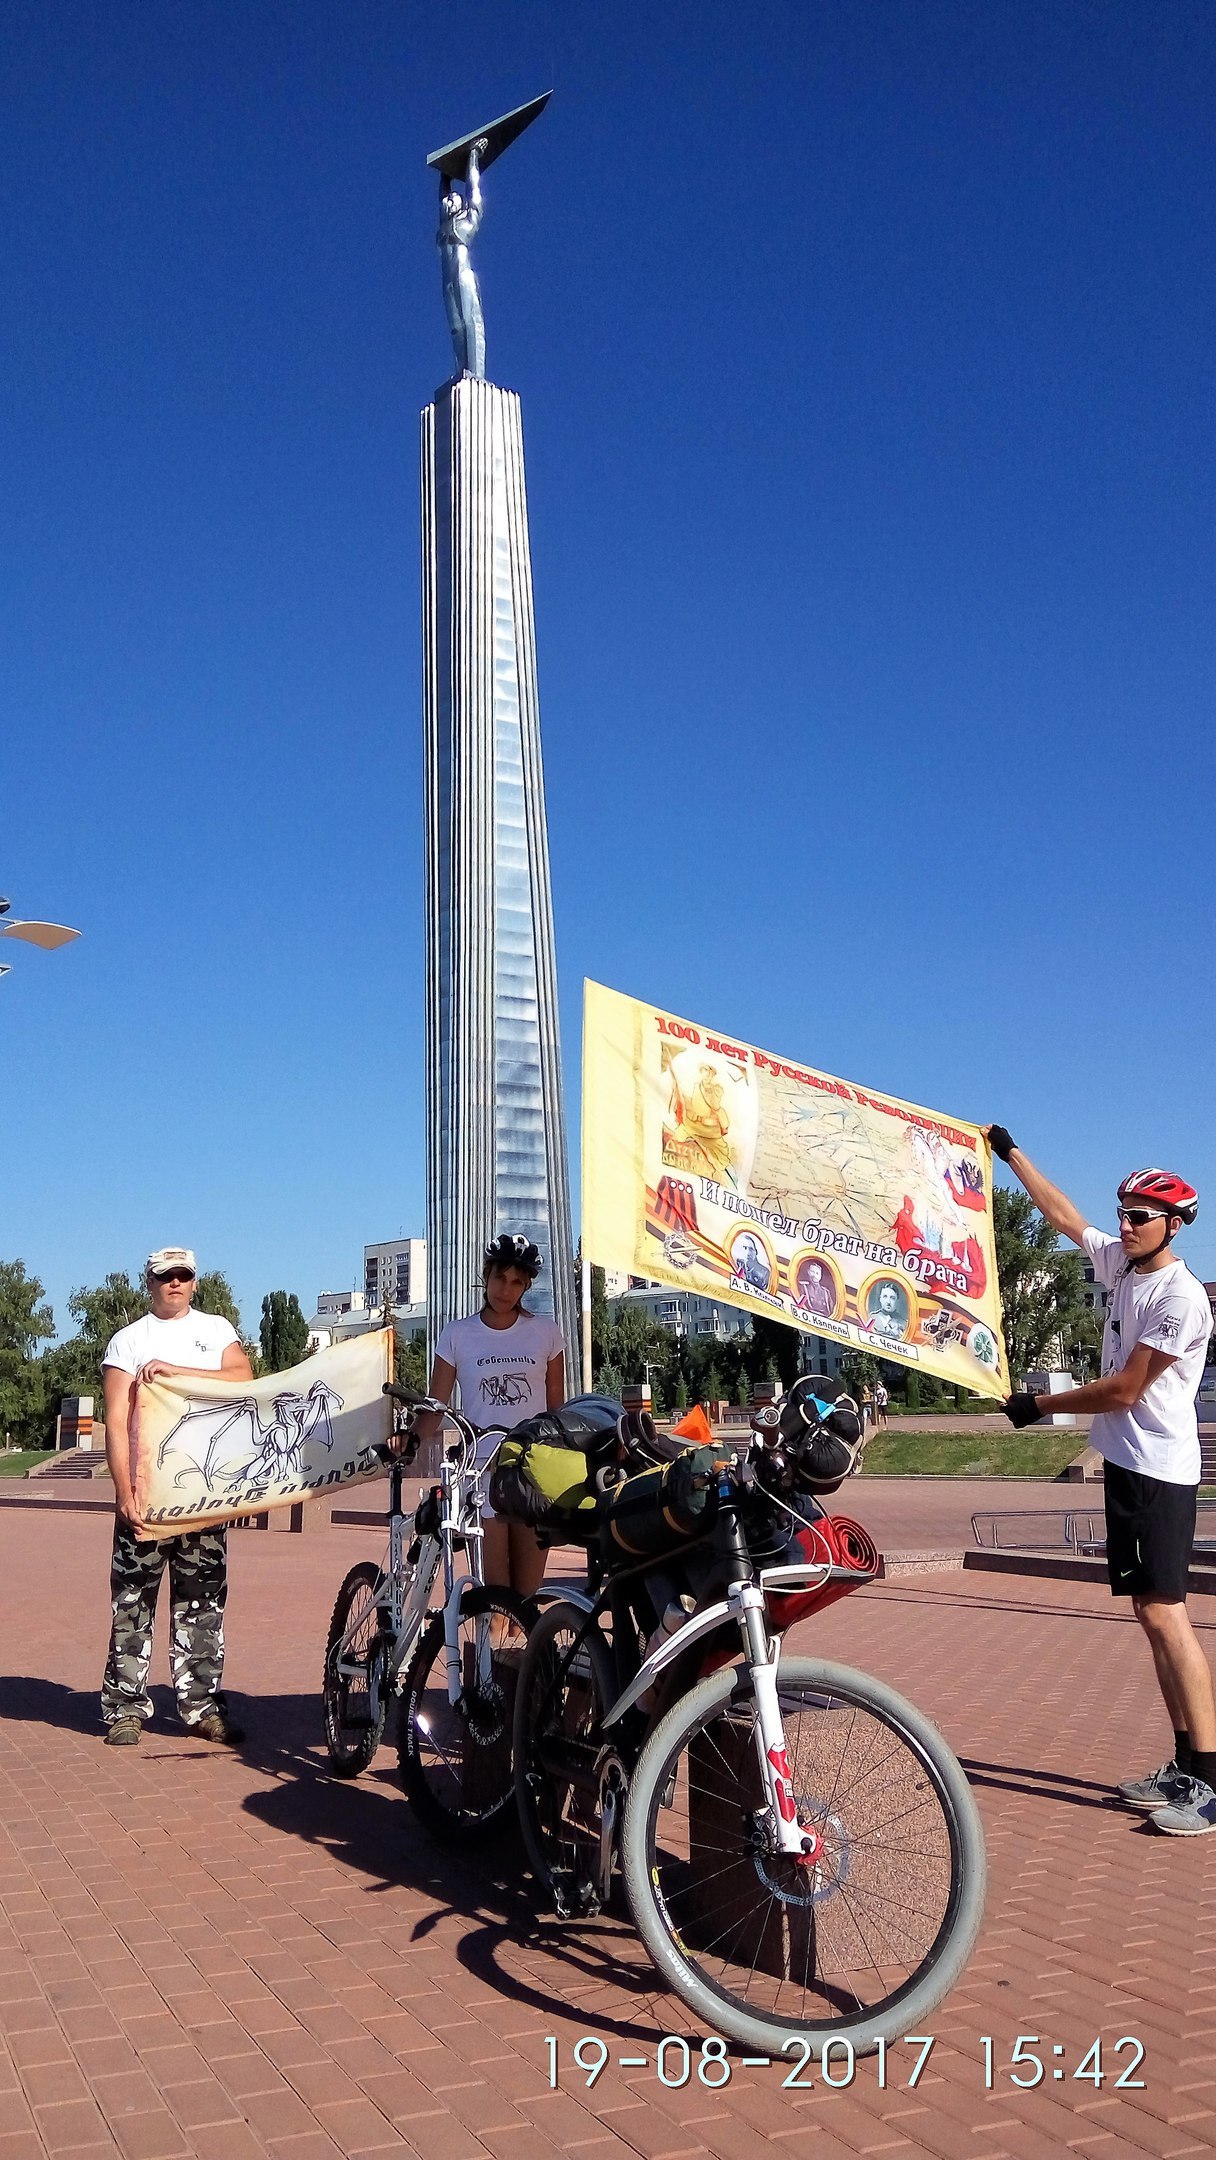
[
  {"x": 859, "y": 1944},
  {"x": 354, "y": 1684},
  {"x": 563, "y": 1768},
  {"x": 455, "y": 1758}
]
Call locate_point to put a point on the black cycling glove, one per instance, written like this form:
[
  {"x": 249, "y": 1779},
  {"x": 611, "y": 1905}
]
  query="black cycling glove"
[
  {"x": 1001, "y": 1141},
  {"x": 1022, "y": 1409}
]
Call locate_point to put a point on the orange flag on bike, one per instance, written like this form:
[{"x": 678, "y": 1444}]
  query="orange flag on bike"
[{"x": 695, "y": 1427}]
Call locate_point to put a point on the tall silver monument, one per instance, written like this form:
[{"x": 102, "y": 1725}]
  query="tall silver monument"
[{"x": 496, "y": 1132}]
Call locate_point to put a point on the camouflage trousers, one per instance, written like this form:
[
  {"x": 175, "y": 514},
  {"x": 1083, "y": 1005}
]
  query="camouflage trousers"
[{"x": 198, "y": 1590}]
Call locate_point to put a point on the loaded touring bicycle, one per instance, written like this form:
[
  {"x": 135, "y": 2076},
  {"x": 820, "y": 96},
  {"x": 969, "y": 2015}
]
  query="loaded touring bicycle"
[{"x": 797, "y": 1845}]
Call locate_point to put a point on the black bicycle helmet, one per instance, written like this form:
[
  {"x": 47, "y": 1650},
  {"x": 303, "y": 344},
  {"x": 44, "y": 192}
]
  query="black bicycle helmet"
[{"x": 514, "y": 1250}]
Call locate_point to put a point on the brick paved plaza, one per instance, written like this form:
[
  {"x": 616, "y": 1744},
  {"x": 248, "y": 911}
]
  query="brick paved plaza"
[{"x": 232, "y": 1955}]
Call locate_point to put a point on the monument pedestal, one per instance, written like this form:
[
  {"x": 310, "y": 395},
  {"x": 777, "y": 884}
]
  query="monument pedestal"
[{"x": 496, "y": 1141}]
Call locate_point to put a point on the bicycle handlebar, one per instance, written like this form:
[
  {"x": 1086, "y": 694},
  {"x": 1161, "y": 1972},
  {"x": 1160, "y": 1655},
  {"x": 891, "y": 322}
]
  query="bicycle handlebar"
[{"x": 411, "y": 1397}]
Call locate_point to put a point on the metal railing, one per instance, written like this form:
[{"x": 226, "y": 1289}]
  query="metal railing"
[{"x": 1075, "y": 1530}]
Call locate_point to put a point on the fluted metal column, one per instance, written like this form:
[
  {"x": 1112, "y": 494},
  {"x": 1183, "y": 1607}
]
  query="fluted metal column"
[{"x": 496, "y": 1138}]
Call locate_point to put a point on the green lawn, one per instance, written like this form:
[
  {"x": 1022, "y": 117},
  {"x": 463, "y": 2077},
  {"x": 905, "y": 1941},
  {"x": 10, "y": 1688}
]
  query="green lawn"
[
  {"x": 946, "y": 1454},
  {"x": 17, "y": 1464}
]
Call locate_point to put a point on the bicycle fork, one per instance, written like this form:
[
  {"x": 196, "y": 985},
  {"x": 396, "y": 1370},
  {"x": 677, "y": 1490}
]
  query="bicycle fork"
[
  {"x": 744, "y": 1603},
  {"x": 460, "y": 1521},
  {"x": 798, "y": 1841}
]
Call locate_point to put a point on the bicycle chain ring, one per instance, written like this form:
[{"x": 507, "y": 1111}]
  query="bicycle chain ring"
[{"x": 613, "y": 1780}]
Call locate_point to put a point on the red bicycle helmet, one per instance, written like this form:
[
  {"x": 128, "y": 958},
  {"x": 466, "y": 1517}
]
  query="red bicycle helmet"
[{"x": 1163, "y": 1189}]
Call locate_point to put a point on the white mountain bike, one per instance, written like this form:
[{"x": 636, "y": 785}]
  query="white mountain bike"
[{"x": 453, "y": 1668}]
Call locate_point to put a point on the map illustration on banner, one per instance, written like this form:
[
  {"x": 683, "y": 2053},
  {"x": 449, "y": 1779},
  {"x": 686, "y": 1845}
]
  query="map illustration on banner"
[
  {"x": 768, "y": 1184},
  {"x": 209, "y": 1450}
]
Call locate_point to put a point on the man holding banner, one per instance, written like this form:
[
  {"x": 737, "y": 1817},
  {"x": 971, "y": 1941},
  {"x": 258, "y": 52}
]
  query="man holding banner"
[
  {"x": 1153, "y": 1348},
  {"x": 169, "y": 1341}
]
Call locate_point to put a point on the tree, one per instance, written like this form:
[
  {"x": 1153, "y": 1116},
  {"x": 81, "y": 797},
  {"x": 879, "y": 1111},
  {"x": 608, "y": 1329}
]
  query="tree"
[
  {"x": 1042, "y": 1287},
  {"x": 213, "y": 1294},
  {"x": 284, "y": 1331},
  {"x": 409, "y": 1363},
  {"x": 634, "y": 1341},
  {"x": 599, "y": 1311},
  {"x": 101, "y": 1312},
  {"x": 22, "y": 1399},
  {"x": 860, "y": 1371},
  {"x": 74, "y": 1367},
  {"x": 776, "y": 1351},
  {"x": 25, "y": 1321}
]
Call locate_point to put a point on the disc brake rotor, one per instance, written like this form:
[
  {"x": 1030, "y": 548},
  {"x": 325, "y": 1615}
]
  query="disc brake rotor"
[{"x": 822, "y": 1871}]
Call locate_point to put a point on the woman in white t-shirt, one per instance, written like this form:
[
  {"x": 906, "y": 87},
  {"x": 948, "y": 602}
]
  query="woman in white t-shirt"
[{"x": 509, "y": 1365}]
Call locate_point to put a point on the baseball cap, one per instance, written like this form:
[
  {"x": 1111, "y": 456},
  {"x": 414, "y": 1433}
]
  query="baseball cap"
[{"x": 169, "y": 1258}]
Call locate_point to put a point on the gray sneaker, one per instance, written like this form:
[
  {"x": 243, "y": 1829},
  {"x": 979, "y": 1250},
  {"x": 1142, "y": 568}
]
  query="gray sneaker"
[
  {"x": 1159, "y": 1789},
  {"x": 1192, "y": 1814}
]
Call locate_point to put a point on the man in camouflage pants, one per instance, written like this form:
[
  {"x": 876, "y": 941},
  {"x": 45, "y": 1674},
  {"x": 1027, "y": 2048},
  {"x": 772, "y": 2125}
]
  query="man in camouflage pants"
[{"x": 171, "y": 1339}]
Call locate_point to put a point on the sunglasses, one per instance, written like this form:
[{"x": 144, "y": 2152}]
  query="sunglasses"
[
  {"x": 177, "y": 1275},
  {"x": 1138, "y": 1216}
]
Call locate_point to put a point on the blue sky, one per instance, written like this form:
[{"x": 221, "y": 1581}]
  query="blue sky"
[{"x": 865, "y": 354}]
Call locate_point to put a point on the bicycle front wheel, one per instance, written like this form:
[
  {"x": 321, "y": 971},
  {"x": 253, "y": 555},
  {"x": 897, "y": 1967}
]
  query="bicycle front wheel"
[
  {"x": 455, "y": 1757},
  {"x": 858, "y": 1944},
  {"x": 355, "y": 1680}
]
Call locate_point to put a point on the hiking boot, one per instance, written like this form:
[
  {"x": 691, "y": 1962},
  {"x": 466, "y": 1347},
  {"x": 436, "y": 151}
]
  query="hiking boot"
[
  {"x": 124, "y": 1732},
  {"x": 213, "y": 1725},
  {"x": 1158, "y": 1790},
  {"x": 1191, "y": 1814}
]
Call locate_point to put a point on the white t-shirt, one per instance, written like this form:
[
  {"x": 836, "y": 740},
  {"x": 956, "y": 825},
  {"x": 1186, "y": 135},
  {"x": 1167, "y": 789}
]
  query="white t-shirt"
[
  {"x": 1167, "y": 1309},
  {"x": 501, "y": 1371},
  {"x": 193, "y": 1338}
]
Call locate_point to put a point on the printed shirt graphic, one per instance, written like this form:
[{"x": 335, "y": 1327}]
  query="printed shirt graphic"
[
  {"x": 194, "y": 1339},
  {"x": 501, "y": 1371},
  {"x": 1169, "y": 1311}
]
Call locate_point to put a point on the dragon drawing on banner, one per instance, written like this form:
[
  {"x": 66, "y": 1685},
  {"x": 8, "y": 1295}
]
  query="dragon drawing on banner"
[{"x": 229, "y": 1447}]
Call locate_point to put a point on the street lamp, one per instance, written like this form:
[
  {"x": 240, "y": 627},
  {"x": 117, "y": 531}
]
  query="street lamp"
[{"x": 48, "y": 935}]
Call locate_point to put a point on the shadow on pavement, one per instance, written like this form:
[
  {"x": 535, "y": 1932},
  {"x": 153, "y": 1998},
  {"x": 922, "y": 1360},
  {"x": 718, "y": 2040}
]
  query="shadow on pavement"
[
  {"x": 1046, "y": 1785},
  {"x": 30, "y": 1700},
  {"x": 1118, "y": 1611},
  {"x": 366, "y": 1824},
  {"x": 47, "y": 1702}
]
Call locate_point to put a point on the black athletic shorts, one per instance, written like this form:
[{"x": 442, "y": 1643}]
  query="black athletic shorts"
[{"x": 1150, "y": 1529}]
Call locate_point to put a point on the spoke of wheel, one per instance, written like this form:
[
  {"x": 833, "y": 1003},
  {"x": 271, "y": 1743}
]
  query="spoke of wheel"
[
  {"x": 439, "y": 1749},
  {"x": 893, "y": 1956}
]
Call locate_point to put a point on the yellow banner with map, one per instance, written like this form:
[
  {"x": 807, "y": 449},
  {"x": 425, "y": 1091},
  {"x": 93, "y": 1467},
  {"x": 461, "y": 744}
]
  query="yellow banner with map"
[{"x": 760, "y": 1182}]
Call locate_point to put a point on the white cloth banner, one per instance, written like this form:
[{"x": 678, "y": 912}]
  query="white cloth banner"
[{"x": 207, "y": 1450}]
